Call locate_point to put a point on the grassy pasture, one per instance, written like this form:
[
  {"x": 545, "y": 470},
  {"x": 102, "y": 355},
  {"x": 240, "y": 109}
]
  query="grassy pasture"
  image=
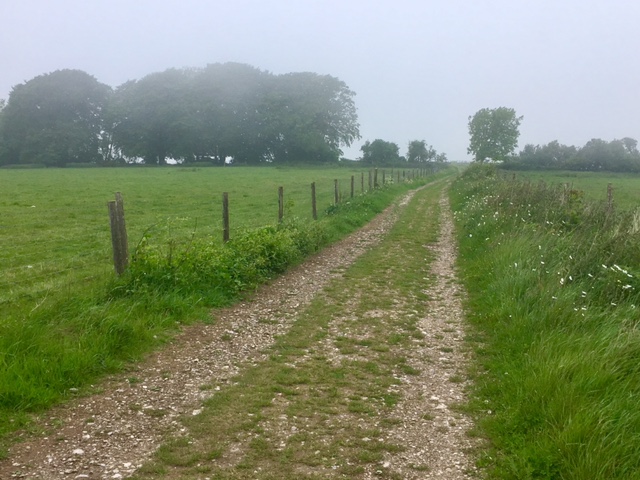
[
  {"x": 54, "y": 226},
  {"x": 626, "y": 186}
]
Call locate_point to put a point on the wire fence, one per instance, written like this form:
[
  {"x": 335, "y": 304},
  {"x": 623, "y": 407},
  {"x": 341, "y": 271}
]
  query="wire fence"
[{"x": 48, "y": 249}]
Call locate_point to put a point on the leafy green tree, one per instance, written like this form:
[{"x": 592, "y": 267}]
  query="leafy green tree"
[
  {"x": 552, "y": 155},
  {"x": 380, "y": 152},
  {"x": 54, "y": 119},
  {"x": 3, "y": 147},
  {"x": 614, "y": 156},
  {"x": 420, "y": 152},
  {"x": 493, "y": 133},
  {"x": 309, "y": 117},
  {"x": 148, "y": 117},
  {"x": 227, "y": 118},
  {"x": 235, "y": 111}
]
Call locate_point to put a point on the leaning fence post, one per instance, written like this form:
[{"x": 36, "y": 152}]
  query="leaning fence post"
[
  {"x": 119, "y": 240},
  {"x": 314, "y": 210},
  {"x": 280, "y": 204},
  {"x": 225, "y": 217}
]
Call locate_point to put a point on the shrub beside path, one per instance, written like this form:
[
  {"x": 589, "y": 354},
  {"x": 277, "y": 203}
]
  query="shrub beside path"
[{"x": 348, "y": 366}]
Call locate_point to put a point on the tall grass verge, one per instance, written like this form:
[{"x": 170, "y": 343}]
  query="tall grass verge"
[
  {"x": 75, "y": 335},
  {"x": 554, "y": 286}
]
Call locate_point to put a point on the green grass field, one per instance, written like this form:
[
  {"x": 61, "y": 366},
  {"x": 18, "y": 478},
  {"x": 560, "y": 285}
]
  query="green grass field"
[
  {"x": 65, "y": 320},
  {"x": 626, "y": 186},
  {"x": 54, "y": 226}
]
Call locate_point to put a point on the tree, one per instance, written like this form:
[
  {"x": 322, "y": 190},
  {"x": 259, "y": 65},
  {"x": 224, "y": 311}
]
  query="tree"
[
  {"x": 379, "y": 152},
  {"x": 614, "y": 156},
  {"x": 309, "y": 117},
  {"x": 235, "y": 111},
  {"x": 225, "y": 101},
  {"x": 148, "y": 117},
  {"x": 552, "y": 155},
  {"x": 494, "y": 133},
  {"x": 420, "y": 152},
  {"x": 54, "y": 119}
]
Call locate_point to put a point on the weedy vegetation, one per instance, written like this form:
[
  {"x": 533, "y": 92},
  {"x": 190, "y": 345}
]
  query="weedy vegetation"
[
  {"x": 554, "y": 284},
  {"x": 66, "y": 320}
]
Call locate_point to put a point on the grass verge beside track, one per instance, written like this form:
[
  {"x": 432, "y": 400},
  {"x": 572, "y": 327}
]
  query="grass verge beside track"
[{"x": 554, "y": 286}]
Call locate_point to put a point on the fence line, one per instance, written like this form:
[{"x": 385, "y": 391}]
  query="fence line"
[{"x": 48, "y": 265}]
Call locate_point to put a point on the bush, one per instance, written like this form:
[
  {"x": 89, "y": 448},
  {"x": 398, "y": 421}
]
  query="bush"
[{"x": 209, "y": 270}]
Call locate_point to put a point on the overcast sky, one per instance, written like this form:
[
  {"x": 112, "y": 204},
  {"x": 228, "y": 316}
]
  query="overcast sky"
[{"x": 419, "y": 68}]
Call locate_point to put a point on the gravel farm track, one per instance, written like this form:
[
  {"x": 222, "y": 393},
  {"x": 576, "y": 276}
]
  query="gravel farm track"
[{"x": 113, "y": 432}]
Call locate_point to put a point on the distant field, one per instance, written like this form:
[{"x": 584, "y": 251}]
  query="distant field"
[
  {"x": 54, "y": 225},
  {"x": 626, "y": 186}
]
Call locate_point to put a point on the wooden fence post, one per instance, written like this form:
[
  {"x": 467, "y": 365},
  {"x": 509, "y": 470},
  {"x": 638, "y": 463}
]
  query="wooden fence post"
[
  {"x": 352, "y": 186},
  {"x": 609, "y": 196},
  {"x": 375, "y": 178},
  {"x": 314, "y": 211},
  {"x": 225, "y": 217},
  {"x": 119, "y": 240},
  {"x": 336, "y": 193},
  {"x": 398, "y": 177},
  {"x": 384, "y": 179},
  {"x": 361, "y": 182},
  {"x": 370, "y": 180},
  {"x": 280, "y": 204}
]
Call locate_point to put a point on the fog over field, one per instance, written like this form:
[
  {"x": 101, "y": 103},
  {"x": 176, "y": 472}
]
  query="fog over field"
[{"x": 419, "y": 68}]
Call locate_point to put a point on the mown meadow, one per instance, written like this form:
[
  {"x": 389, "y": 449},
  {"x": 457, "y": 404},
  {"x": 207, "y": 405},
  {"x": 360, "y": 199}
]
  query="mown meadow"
[
  {"x": 65, "y": 317},
  {"x": 553, "y": 276}
]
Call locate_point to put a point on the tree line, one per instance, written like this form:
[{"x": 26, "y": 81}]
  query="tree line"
[
  {"x": 596, "y": 155},
  {"x": 216, "y": 114},
  {"x": 494, "y": 137},
  {"x": 382, "y": 152}
]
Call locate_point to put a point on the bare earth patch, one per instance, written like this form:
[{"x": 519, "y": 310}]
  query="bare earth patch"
[{"x": 114, "y": 431}]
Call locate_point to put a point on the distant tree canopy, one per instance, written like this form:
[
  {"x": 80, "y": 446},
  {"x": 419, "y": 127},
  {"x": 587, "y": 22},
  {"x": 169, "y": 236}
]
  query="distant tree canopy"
[
  {"x": 54, "y": 119},
  {"x": 493, "y": 133},
  {"x": 218, "y": 113},
  {"x": 596, "y": 155},
  {"x": 381, "y": 152},
  {"x": 420, "y": 152}
]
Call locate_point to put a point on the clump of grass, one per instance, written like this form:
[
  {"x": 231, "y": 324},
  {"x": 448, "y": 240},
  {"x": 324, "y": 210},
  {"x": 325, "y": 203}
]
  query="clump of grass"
[{"x": 554, "y": 291}]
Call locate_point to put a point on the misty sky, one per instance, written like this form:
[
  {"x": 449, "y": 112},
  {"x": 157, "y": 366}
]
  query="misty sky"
[{"x": 419, "y": 68}]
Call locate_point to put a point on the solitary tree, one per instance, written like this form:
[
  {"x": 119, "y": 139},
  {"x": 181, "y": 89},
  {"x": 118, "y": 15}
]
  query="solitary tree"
[{"x": 494, "y": 133}]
